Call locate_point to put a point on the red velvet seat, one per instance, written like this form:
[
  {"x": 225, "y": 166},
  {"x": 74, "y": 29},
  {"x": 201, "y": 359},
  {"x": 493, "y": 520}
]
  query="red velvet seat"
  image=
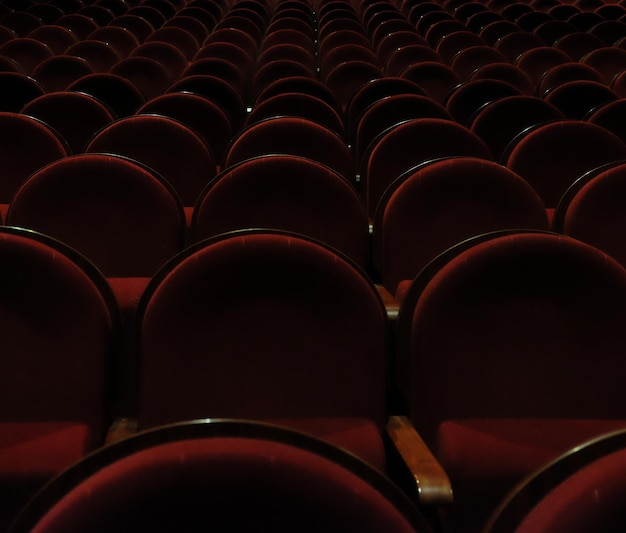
[
  {"x": 140, "y": 27},
  {"x": 57, "y": 38},
  {"x": 118, "y": 93},
  {"x": 611, "y": 116},
  {"x": 590, "y": 210},
  {"x": 412, "y": 143},
  {"x": 85, "y": 20},
  {"x": 534, "y": 315},
  {"x": 293, "y": 136},
  {"x": 513, "y": 44},
  {"x": 17, "y": 90},
  {"x": 224, "y": 476},
  {"x": 288, "y": 193},
  {"x": 59, "y": 325},
  {"x": 167, "y": 146},
  {"x": 552, "y": 156},
  {"x": 200, "y": 114},
  {"x": 167, "y": 54},
  {"x": 581, "y": 490},
  {"x": 150, "y": 76},
  {"x": 440, "y": 204},
  {"x": 466, "y": 100},
  {"x": 278, "y": 69},
  {"x": 468, "y": 60},
  {"x": 313, "y": 356},
  {"x": 101, "y": 56},
  {"x": 57, "y": 73},
  {"x": 76, "y": 116},
  {"x": 508, "y": 73},
  {"x": 608, "y": 61},
  {"x": 388, "y": 112},
  {"x": 123, "y": 40},
  {"x": 537, "y": 61},
  {"x": 216, "y": 90},
  {"x": 296, "y": 104},
  {"x": 345, "y": 79},
  {"x": 302, "y": 84},
  {"x": 564, "y": 73},
  {"x": 406, "y": 56},
  {"x": 577, "y": 99},
  {"x": 178, "y": 37},
  {"x": 434, "y": 77},
  {"x": 501, "y": 121},
  {"x": 19, "y": 134},
  {"x": 27, "y": 52}
]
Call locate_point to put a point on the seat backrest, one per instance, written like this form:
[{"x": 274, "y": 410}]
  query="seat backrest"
[
  {"x": 563, "y": 495},
  {"x": 289, "y": 193},
  {"x": 552, "y": 156},
  {"x": 293, "y": 136},
  {"x": 166, "y": 145},
  {"x": 26, "y": 145},
  {"x": 120, "y": 215},
  {"x": 314, "y": 342},
  {"x": 590, "y": 210},
  {"x": 58, "y": 325},
  {"x": 500, "y": 323},
  {"x": 117, "y": 92},
  {"x": 412, "y": 143},
  {"x": 443, "y": 203},
  {"x": 221, "y": 475},
  {"x": 76, "y": 116}
]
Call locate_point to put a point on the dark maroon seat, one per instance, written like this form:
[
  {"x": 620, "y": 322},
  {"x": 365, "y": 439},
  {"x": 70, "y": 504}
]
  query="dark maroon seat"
[
  {"x": 293, "y": 136},
  {"x": 289, "y": 193},
  {"x": 313, "y": 356},
  {"x": 59, "y": 325},
  {"x": 552, "y": 156},
  {"x": 562, "y": 495},
  {"x": 412, "y": 143},
  {"x": 167, "y": 146},
  {"x": 525, "y": 308},
  {"x": 437, "y": 205},
  {"x": 199, "y": 476}
]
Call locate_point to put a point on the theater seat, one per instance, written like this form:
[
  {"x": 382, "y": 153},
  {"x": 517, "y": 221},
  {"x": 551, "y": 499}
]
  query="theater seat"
[
  {"x": 58, "y": 325},
  {"x": 511, "y": 327},
  {"x": 313, "y": 355},
  {"x": 221, "y": 475}
]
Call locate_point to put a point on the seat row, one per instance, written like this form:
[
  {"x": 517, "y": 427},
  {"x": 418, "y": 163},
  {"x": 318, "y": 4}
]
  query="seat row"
[{"x": 508, "y": 353}]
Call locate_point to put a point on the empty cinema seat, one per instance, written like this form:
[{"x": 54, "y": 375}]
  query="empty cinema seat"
[
  {"x": 564, "y": 494},
  {"x": 26, "y": 145},
  {"x": 552, "y": 156},
  {"x": 221, "y": 475},
  {"x": 534, "y": 315},
  {"x": 590, "y": 210},
  {"x": 313, "y": 356},
  {"x": 289, "y": 193},
  {"x": 293, "y": 136},
  {"x": 166, "y": 145},
  {"x": 59, "y": 325},
  {"x": 411, "y": 143},
  {"x": 442, "y": 203}
]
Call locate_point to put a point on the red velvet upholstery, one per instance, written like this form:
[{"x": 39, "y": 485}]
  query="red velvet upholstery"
[
  {"x": 76, "y": 116},
  {"x": 581, "y": 490},
  {"x": 288, "y": 193},
  {"x": 27, "y": 52},
  {"x": 387, "y": 112},
  {"x": 591, "y": 211},
  {"x": 165, "y": 145},
  {"x": 412, "y": 143},
  {"x": 298, "y": 104},
  {"x": 551, "y": 157},
  {"x": 117, "y": 92},
  {"x": 534, "y": 316},
  {"x": 202, "y": 115},
  {"x": 444, "y": 203},
  {"x": 222, "y": 476},
  {"x": 26, "y": 145},
  {"x": 121, "y": 216},
  {"x": 346, "y": 78},
  {"x": 58, "y": 323},
  {"x": 314, "y": 342},
  {"x": 57, "y": 73},
  {"x": 150, "y": 76},
  {"x": 294, "y": 136},
  {"x": 499, "y": 122}
]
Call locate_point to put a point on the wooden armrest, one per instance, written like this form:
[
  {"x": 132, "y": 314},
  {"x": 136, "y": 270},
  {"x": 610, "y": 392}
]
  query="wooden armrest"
[
  {"x": 432, "y": 484},
  {"x": 121, "y": 429},
  {"x": 392, "y": 305}
]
